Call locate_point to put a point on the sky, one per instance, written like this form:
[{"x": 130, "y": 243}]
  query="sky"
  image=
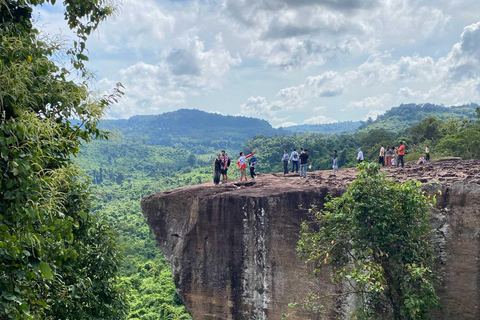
[{"x": 286, "y": 61}]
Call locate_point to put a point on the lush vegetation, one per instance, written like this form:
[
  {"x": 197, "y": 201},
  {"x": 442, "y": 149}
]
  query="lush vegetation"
[
  {"x": 126, "y": 168},
  {"x": 193, "y": 130},
  {"x": 374, "y": 241},
  {"x": 449, "y": 137},
  {"x": 407, "y": 115},
  {"x": 58, "y": 260}
]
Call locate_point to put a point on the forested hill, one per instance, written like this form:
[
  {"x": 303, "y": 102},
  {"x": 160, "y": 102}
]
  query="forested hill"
[
  {"x": 327, "y": 128},
  {"x": 407, "y": 115},
  {"x": 190, "y": 129}
]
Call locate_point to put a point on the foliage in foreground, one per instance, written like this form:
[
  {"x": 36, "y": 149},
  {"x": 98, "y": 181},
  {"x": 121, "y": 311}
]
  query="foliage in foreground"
[
  {"x": 57, "y": 259},
  {"x": 374, "y": 241}
]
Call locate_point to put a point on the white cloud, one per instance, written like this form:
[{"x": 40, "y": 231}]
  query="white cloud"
[
  {"x": 137, "y": 25},
  {"x": 185, "y": 70},
  {"x": 319, "y": 120},
  {"x": 256, "y": 106},
  {"x": 373, "y": 114},
  {"x": 286, "y": 124},
  {"x": 380, "y": 102}
]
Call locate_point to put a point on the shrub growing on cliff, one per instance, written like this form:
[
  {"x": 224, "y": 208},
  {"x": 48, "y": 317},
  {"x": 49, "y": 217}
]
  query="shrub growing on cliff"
[{"x": 374, "y": 241}]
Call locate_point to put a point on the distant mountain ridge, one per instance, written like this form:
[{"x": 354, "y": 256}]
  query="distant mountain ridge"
[
  {"x": 407, "y": 115},
  {"x": 327, "y": 128},
  {"x": 192, "y": 129},
  {"x": 198, "y": 131}
]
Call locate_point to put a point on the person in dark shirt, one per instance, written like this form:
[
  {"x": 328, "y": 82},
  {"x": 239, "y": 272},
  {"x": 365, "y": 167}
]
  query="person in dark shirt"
[
  {"x": 303, "y": 163},
  {"x": 335, "y": 161},
  {"x": 217, "y": 171}
]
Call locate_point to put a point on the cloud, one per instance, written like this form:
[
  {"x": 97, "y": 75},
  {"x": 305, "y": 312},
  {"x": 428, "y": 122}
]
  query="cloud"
[
  {"x": 373, "y": 114},
  {"x": 186, "y": 69},
  {"x": 319, "y": 120},
  {"x": 327, "y": 84},
  {"x": 257, "y": 106},
  {"x": 379, "y": 102},
  {"x": 137, "y": 25},
  {"x": 286, "y": 124}
]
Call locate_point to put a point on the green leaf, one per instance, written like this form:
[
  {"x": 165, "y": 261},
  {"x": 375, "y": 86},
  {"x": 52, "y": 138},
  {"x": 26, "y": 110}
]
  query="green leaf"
[{"x": 45, "y": 269}]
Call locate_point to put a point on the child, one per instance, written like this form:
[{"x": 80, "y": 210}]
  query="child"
[{"x": 242, "y": 165}]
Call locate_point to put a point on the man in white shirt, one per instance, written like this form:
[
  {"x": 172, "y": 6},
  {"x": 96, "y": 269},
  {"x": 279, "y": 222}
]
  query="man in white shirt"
[
  {"x": 381, "y": 156},
  {"x": 360, "y": 156},
  {"x": 294, "y": 158}
]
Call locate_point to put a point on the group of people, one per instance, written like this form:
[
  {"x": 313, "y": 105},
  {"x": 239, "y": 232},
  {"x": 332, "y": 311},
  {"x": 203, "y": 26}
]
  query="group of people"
[
  {"x": 294, "y": 158},
  {"x": 392, "y": 155},
  {"x": 389, "y": 156},
  {"x": 222, "y": 164}
]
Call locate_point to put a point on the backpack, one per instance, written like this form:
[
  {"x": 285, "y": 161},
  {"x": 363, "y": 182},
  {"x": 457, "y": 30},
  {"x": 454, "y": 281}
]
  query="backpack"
[{"x": 295, "y": 156}]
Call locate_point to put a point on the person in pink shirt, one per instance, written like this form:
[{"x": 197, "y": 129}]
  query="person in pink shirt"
[{"x": 242, "y": 164}]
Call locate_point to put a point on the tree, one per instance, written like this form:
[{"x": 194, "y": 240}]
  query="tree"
[
  {"x": 428, "y": 129},
  {"x": 57, "y": 259},
  {"x": 375, "y": 239}
]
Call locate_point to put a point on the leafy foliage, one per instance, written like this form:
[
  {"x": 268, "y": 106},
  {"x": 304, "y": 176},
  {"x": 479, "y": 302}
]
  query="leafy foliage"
[
  {"x": 58, "y": 260},
  {"x": 375, "y": 239}
]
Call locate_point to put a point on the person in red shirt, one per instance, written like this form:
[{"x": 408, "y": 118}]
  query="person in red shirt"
[{"x": 401, "y": 153}]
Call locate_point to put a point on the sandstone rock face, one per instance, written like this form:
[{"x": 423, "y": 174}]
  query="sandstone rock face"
[{"x": 232, "y": 248}]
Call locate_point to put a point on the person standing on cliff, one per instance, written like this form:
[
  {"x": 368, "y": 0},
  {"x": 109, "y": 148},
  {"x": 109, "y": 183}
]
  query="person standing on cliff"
[
  {"x": 381, "y": 156},
  {"x": 224, "y": 167},
  {"x": 303, "y": 163},
  {"x": 294, "y": 158},
  {"x": 253, "y": 165},
  {"x": 242, "y": 164},
  {"x": 360, "y": 156},
  {"x": 217, "y": 169},
  {"x": 286, "y": 160},
  {"x": 401, "y": 154},
  {"x": 335, "y": 161},
  {"x": 388, "y": 156},
  {"x": 427, "y": 153}
]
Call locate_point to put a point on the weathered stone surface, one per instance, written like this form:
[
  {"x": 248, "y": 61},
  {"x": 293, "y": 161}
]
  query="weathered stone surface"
[{"x": 232, "y": 248}]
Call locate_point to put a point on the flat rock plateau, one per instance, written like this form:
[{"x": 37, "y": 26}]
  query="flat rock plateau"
[{"x": 232, "y": 247}]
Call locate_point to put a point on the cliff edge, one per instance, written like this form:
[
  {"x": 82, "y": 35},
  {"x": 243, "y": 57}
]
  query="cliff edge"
[{"x": 232, "y": 248}]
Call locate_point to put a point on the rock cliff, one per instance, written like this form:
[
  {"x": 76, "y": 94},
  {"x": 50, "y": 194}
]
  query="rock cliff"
[{"x": 232, "y": 248}]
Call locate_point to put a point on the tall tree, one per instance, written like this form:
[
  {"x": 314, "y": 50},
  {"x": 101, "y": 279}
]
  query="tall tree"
[
  {"x": 375, "y": 239},
  {"x": 57, "y": 259}
]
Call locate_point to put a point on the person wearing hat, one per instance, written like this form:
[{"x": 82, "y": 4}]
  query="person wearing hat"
[{"x": 360, "y": 156}]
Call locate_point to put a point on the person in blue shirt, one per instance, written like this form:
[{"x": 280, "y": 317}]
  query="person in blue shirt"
[
  {"x": 335, "y": 161},
  {"x": 286, "y": 160},
  {"x": 294, "y": 159}
]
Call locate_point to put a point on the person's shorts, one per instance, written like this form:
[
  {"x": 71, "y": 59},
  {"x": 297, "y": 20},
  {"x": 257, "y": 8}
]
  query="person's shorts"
[
  {"x": 224, "y": 171},
  {"x": 244, "y": 171}
]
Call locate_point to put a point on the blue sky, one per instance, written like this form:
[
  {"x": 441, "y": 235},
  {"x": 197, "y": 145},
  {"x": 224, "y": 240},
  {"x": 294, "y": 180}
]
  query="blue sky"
[{"x": 286, "y": 61}]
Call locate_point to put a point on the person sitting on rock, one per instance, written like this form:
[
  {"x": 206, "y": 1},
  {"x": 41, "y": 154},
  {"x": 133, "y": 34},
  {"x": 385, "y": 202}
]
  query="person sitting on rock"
[
  {"x": 421, "y": 160},
  {"x": 242, "y": 164}
]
